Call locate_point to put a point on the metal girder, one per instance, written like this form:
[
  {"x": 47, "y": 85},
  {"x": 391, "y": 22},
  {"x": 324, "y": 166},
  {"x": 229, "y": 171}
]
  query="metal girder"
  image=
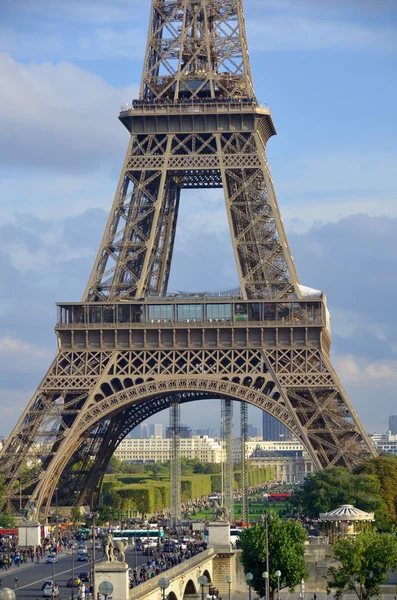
[
  {"x": 175, "y": 429},
  {"x": 243, "y": 461},
  {"x": 227, "y": 463}
]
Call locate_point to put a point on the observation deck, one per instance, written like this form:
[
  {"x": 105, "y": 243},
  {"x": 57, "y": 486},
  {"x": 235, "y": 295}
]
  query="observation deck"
[
  {"x": 163, "y": 116},
  {"x": 190, "y": 322}
]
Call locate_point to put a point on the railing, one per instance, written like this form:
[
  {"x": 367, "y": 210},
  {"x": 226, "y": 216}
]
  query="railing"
[
  {"x": 153, "y": 583},
  {"x": 191, "y": 107},
  {"x": 214, "y": 323}
]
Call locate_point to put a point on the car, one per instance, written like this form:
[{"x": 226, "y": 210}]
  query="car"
[
  {"x": 82, "y": 556},
  {"x": 51, "y": 558},
  {"x": 51, "y": 591},
  {"x": 73, "y": 583},
  {"x": 46, "y": 582},
  {"x": 84, "y": 576}
]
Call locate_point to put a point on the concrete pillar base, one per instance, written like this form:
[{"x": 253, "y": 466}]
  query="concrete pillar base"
[
  {"x": 117, "y": 574},
  {"x": 29, "y": 534}
]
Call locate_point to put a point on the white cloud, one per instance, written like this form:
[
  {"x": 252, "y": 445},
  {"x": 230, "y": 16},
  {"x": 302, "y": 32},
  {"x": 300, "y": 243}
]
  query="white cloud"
[
  {"x": 10, "y": 346},
  {"x": 362, "y": 372},
  {"x": 58, "y": 115}
]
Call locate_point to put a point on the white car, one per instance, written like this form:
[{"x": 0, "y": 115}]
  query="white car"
[{"x": 51, "y": 591}]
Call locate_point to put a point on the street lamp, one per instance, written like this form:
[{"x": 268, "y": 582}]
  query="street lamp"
[
  {"x": 265, "y": 576},
  {"x": 202, "y": 581},
  {"x": 105, "y": 588},
  {"x": 303, "y": 589},
  {"x": 278, "y": 575},
  {"x": 249, "y": 577},
  {"x": 229, "y": 581},
  {"x": 7, "y": 594},
  {"x": 164, "y": 583}
]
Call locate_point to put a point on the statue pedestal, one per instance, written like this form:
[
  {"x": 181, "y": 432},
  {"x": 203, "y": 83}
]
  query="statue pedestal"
[
  {"x": 117, "y": 574},
  {"x": 219, "y": 536},
  {"x": 29, "y": 534}
]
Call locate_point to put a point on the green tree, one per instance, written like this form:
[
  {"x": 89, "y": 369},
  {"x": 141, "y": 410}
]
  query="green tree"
[
  {"x": 286, "y": 541},
  {"x": 115, "y": 465},
  {"x": 364, "y": 563},
  {"x": 7, "y": 520},
  {"x": 75, "y": 514},
  {"x": 384, "y": 468},
  {"x": 327, "y": 489}
]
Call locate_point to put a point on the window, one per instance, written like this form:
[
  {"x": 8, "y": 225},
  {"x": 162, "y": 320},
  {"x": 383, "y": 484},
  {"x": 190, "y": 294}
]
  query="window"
[
  {"x": 219, "y": 312},
  {"x": 108, "y": 314},
  {"x": 254, "y": 312},
  {"x": 241, "y": 312},
  {"x": 160, "y": 312},
  {"x": 95, "y": 314},
  {"x": 123, "y": 313},
  {"x": 269, "y": 311},
  {"x": 189, "y": 312},
  {"x": 283, "y": 312}
]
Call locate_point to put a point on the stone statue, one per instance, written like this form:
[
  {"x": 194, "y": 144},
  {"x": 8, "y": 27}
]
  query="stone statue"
[
  {"x": 30, "y": 513},
  {"x": 222, "y": 515},
  {"x": 109, "y": 546}
]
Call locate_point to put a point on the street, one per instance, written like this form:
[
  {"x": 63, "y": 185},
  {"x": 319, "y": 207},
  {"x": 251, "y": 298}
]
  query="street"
[{"x": 32, "y": 575}]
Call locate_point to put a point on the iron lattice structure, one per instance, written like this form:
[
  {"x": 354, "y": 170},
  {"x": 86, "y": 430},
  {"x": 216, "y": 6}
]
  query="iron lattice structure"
[
  {"x": 243, "y": 462},
  {"x": 227, "y": 452},
  {"x": 127, "y": 351},
  {"x": 175, "y": 433}
]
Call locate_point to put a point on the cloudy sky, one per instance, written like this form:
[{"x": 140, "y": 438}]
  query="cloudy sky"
[{"x": 328, "y": 70}]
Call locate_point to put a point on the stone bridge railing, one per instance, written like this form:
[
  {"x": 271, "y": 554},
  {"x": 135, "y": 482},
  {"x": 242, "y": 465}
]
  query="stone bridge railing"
[{"x": 183, "y": 579}]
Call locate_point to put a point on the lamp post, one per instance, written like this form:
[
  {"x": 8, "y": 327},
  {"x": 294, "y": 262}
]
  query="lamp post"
[
  {"x": 249, "y": 577},
  {"x": 105, "y": 589},
  {"x": 164, "y": 583},
  {"x": 72, "y": 572},
  {"x": 229, "y": 581},
  {"x": 94, "y": 515},
  {"x": 202, "y": 581},
  {"x": 303, "y": 589},
  {"x": 278, "y": 575},
  {"x": 265, "y": 576}
]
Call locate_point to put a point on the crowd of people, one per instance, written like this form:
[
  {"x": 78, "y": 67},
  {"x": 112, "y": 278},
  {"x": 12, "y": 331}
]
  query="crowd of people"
[{"x": 159, "y": 561}]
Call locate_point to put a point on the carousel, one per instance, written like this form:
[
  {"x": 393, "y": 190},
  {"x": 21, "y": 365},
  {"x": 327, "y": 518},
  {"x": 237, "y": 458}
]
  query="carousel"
[{"x": 345, "y": 521}]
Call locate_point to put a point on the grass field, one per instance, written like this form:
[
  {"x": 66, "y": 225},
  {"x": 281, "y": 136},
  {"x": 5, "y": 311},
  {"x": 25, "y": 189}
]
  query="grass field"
[{"x": 256, "y": 509}]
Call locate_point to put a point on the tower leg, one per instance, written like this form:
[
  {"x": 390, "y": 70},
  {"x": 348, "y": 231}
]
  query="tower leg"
[
  {"x": 227, "y": 443},
  {"x": 244, "y": 474},
  {"x": 175, "y": 423}
]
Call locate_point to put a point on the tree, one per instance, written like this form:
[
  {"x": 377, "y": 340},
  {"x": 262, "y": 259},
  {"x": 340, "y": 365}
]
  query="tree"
[
  {"x": 75, "y": 514},
  {"x": 384, "y": 468},
  {"x": 364, "y": 563},
  {"x": 327, "y": 489},
  {"x": 286, "y": 541},
  {"x": 115, "y": 465}
]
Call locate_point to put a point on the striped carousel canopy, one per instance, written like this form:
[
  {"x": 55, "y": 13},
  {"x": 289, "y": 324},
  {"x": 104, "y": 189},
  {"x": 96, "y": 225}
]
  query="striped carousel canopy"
[{"x": 347, "y": 512}]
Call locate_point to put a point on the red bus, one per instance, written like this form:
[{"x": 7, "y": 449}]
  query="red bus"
[{"x": 279, "y": 497}]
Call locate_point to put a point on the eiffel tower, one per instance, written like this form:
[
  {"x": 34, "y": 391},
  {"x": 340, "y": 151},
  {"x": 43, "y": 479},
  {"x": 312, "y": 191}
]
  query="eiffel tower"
[{"x": 129, "y": 350}]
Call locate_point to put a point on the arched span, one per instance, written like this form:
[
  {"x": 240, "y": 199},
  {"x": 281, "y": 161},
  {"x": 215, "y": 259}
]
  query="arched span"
[
  {"x": 100, "y": 409},
  {"x": 190, "y": 588},
  {"x": 208, "y": 576}
]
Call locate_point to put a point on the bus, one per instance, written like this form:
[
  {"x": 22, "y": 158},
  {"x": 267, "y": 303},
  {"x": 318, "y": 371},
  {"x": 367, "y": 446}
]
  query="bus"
[{"x": 153, "y": 535}]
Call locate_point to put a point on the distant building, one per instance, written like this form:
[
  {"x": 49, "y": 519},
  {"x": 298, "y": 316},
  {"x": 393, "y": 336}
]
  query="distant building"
[
  {"x": 184, "y": 432},
  {"x": 157, "y": 449},
  {"x": 273, "y": 430},
  {"x": 209, "y": 432},
  {"x": 136, "y": 432},
  {"x": 393, "y": 424},
  {"x": 385, "y": 442},
  {"x": 252, "y": 431}
]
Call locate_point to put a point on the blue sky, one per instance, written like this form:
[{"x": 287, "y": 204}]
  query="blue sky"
[{"x": 328, "y": 70}]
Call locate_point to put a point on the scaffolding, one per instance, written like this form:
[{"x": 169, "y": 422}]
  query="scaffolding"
[
  {"x": 227, "y": 462},
  {"x": 243, "y": 460},
  {"x": 175, "y": 424}
]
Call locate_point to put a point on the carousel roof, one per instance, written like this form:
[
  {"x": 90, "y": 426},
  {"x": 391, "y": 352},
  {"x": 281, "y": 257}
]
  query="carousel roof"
[{"x": 347, "y": 512}]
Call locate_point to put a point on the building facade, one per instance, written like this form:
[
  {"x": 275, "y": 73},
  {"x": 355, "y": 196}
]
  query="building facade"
[
  {"x": 393, "y": 424},
  {"x": 157, "y": 449},
  {"x": 385, "y": 442}
]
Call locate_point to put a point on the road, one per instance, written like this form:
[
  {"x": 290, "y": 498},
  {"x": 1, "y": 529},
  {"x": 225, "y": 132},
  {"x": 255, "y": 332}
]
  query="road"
[{"x": 32, "y": 575}]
